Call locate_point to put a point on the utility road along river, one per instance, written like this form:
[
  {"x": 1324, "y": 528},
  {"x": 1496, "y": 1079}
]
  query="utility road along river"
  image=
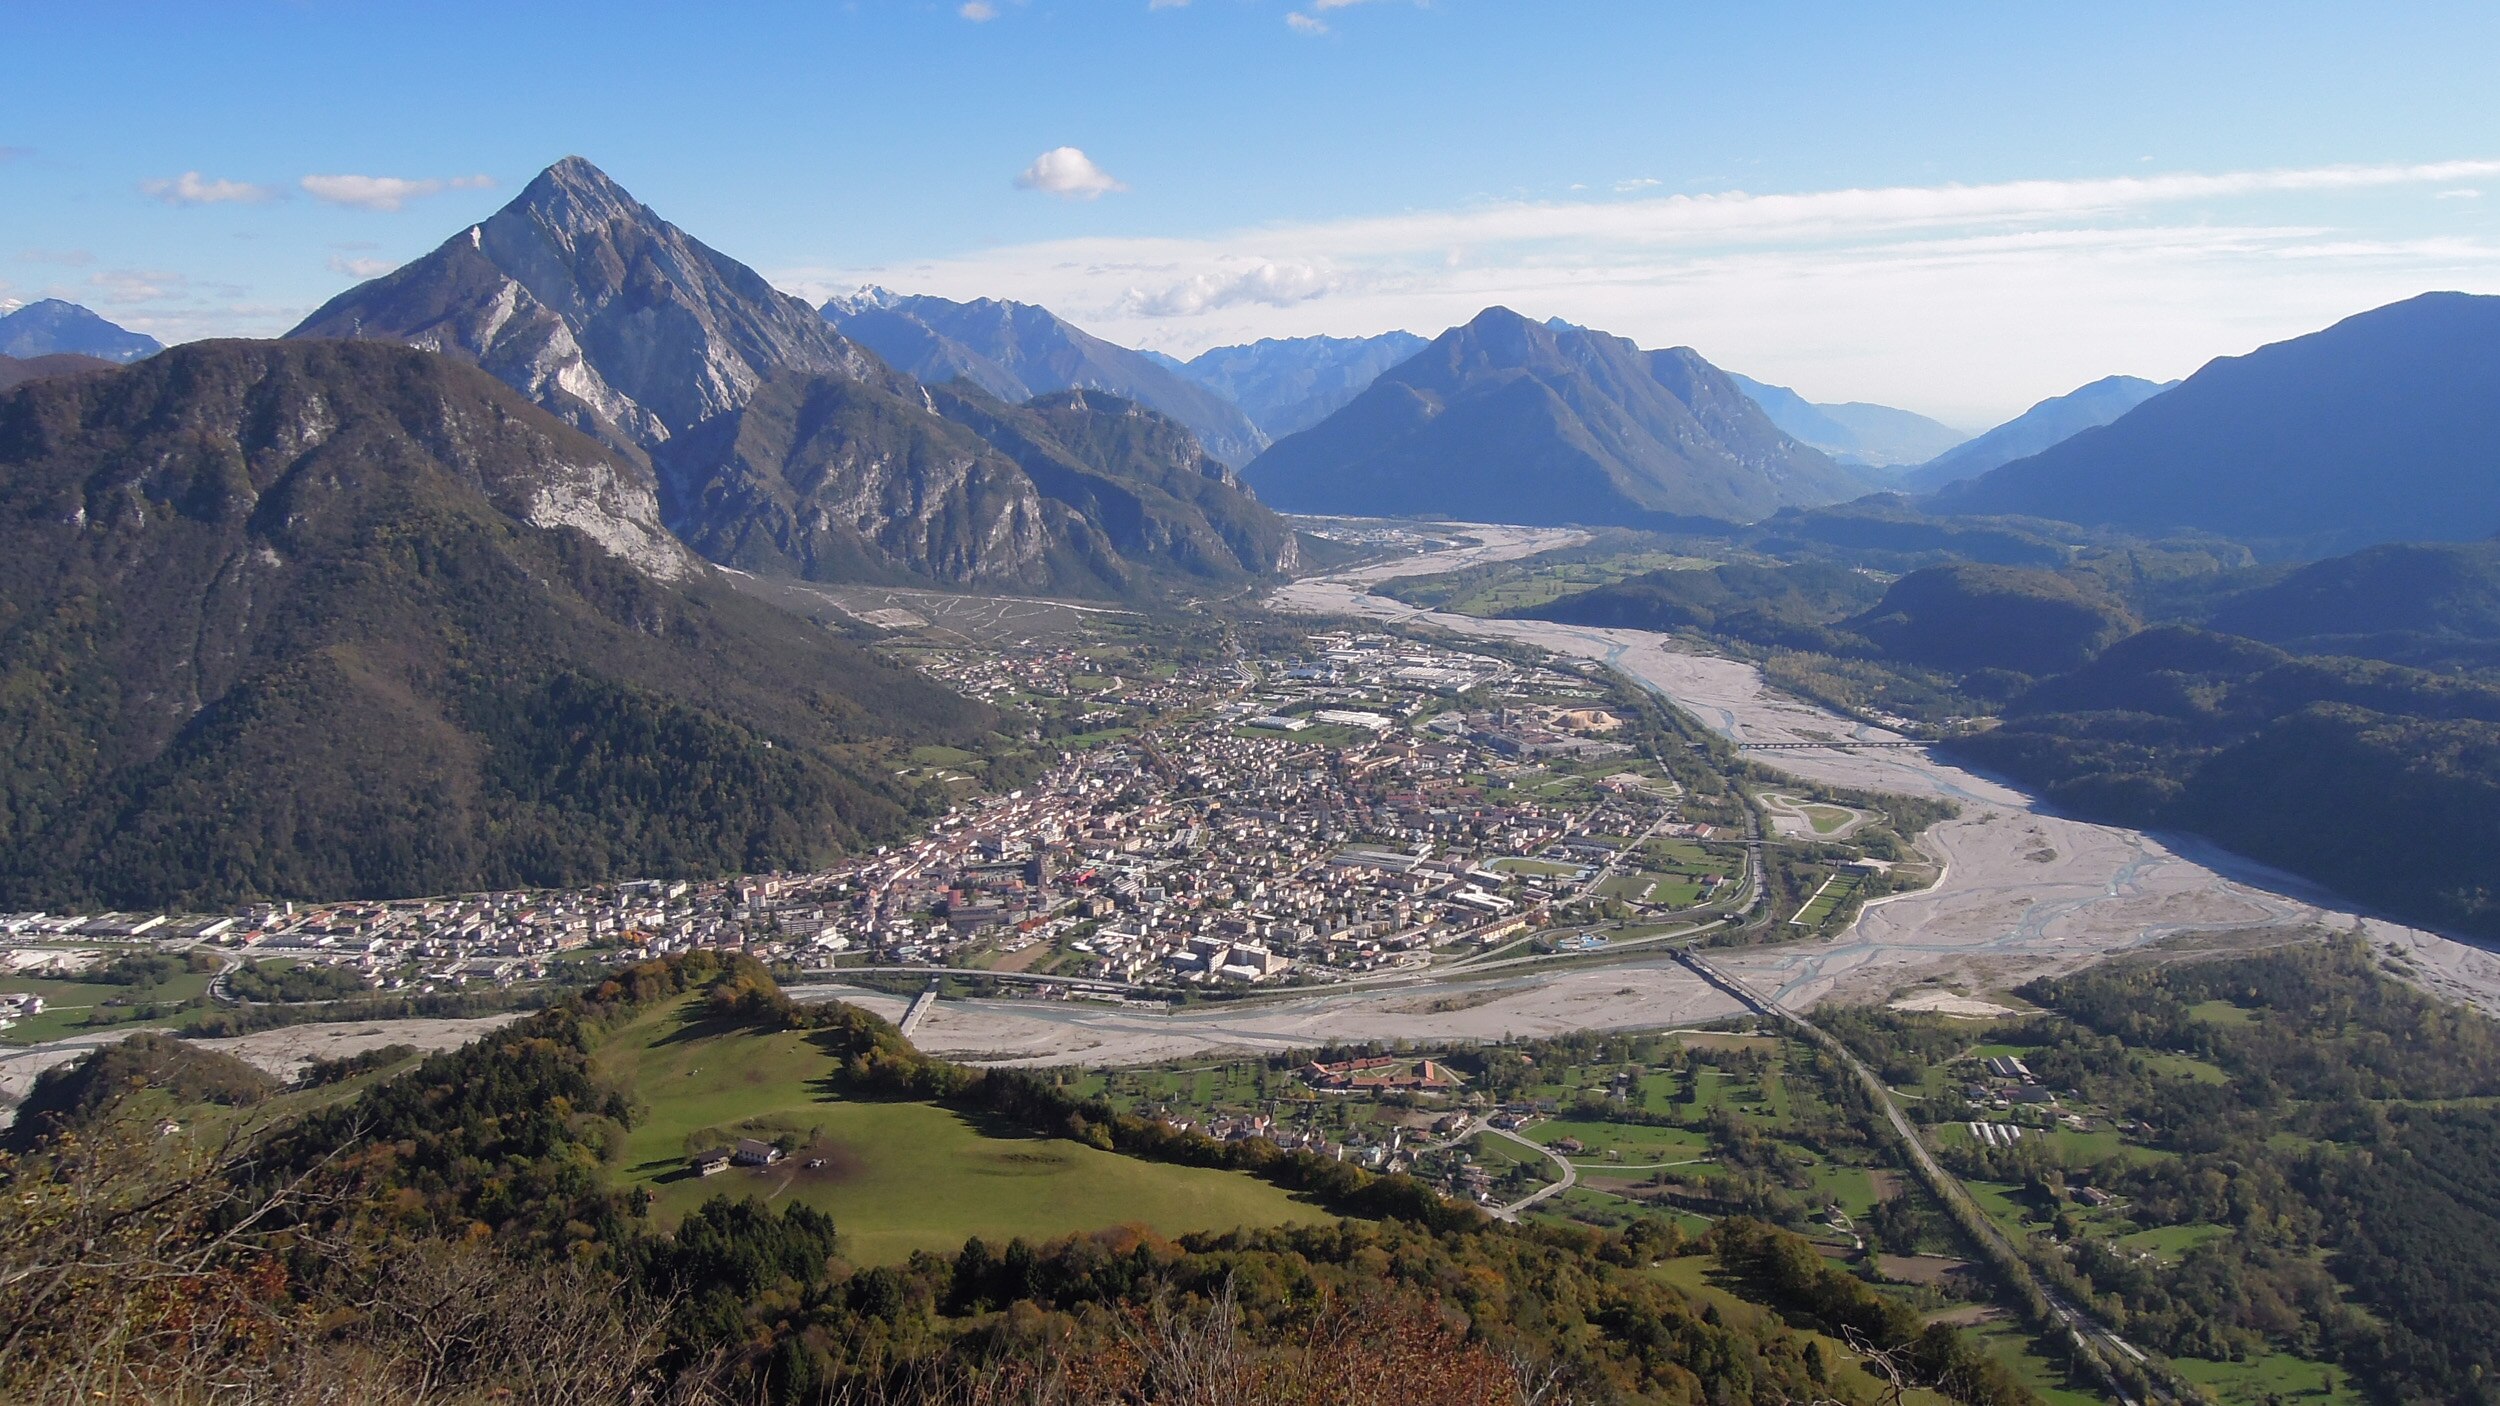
[{"x": 2024, "y": 892}]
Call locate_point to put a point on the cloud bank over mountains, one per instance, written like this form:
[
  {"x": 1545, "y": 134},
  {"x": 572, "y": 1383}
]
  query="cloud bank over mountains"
[{"x": 2157, "y": 271}]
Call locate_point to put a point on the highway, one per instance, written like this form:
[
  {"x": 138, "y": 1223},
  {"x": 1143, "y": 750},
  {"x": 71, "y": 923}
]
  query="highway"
[{"x": 2094, "y": 1342}]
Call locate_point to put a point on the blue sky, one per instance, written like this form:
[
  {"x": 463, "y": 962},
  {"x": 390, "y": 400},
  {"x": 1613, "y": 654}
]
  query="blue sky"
[{"x": 1958, "y": 208}]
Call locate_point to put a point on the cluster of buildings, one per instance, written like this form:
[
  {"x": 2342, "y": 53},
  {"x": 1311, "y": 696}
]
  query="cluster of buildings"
[{"x": 1213, "y": 845}]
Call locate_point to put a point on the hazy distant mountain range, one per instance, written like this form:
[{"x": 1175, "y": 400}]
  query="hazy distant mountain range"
[
  {"x": 2383, "y": 427},
  {"x": 1853, "y": 432},
  {"x": 1016, "y": 351},
  {"x": 781, "y": 444},
  {"x": 1290, "y": 384},
  {"x": 2051, "y": 421},
  {"x": 1510, "y": 420},
  {"x": 17, "y": 371},
  {"x": 51, "y": 327}
]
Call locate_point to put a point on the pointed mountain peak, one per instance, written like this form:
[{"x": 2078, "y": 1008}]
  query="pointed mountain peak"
[
  {"x": 575, "y": 196},
  {"x": 867, "y": 297}
]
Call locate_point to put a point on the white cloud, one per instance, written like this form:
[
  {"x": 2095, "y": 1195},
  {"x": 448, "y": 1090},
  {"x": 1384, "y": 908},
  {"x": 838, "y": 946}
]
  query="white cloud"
[
  {"x": 360, "y": 268},
  {"x": 1167, "y": 4},
  {"x": 1635, "y": 183},
  {"x": 384, "y": 192},
  {"x": 2461, "y": 193},
  {"x": 190, "y": 188},
  {"x": 978, "y": 11},
  {"x": 1068, "y": 173},
  {"x": 124, "y": 286},
  {"x": 1966, "y": 301},
  {"x": 1275, "y": 285}
]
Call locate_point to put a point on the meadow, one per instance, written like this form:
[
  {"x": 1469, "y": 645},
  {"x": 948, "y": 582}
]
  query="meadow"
[{"x": 896, "y": 1177}]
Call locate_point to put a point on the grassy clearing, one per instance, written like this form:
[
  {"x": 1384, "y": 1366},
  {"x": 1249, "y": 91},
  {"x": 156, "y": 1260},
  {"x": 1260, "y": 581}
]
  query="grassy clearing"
[
  {"x": 2045, "y": 1375},
  {"x": 2171, "y": 1241},
  {"x": 2272, "y": 1378},
  {"x": 73, "y": 1007},
  {"x": 2221, "y": 1013},
  {"x": 897, "y": 1177}
]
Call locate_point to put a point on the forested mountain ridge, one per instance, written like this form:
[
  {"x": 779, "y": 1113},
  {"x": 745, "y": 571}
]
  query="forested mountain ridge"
[
  {"x": 1508, "y": 420},
  {"x": 1972, "y": 617},
  {"x": 1139, "y": 478},
  {"x": 327, "y": 619},
  {"x": 2384, "y": 427},
  {"x": 2052, "y": 421},
  {"x": 2428, "y": 604},
  {"x": 17, "y": 371},
  {"x": 1016, "y": 351}
]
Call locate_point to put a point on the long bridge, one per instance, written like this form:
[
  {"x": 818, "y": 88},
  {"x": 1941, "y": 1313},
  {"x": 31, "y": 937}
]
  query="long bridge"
[
  {"x": 919, "y": 1007},
  {"x": 1836, "y": 745}
]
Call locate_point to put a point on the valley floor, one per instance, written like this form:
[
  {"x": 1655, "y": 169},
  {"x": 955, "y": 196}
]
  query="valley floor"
[{"x": 2025, "y": 892}]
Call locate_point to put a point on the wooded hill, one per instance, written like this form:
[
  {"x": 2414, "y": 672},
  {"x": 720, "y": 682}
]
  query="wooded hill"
[
  {"x": 2377, "y": 780},
  {"x": 327, "y": 620},
  {"x": 464, "y": 1206}
]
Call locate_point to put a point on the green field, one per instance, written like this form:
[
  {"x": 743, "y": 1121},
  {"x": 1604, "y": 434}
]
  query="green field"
[
  {"x": 1637, "y": 1145},
  {"x": 1826, "y": 819},
  {"x": 2274, "y": 1377},
  {"x": 897, "y": 1177},
  {"x": 2171, "y": 1241},
  {"x": 1828, "y": 898},
  {"x": 71, "y": 1006}
]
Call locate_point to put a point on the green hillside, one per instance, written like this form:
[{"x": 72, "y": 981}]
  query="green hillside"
[
  {"x": 323, "y": 619},
  {"x": 897, "y": 1176}
]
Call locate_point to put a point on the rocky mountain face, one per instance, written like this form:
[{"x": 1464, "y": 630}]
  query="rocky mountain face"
[
  {"x": 2381, "y": 428},
  {"x": 1508, "y": 420},
  {"x": 2052, "y": 421},
  {"x": 1139, "y": 477},
  {"x": 1286, "y": 385},
  {"x": 329, "y": 619},
  {"x": 1016, "y": 351},
  {"x": 50, "y": 327},
  {"x": 779, "y": 444},
  {"x": 840, "y": 480},
  {"x": 586, "y": 301},
  {"x": 1854, "y": 431}
]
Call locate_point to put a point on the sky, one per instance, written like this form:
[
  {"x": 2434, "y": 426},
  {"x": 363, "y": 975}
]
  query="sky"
[{"x": 1955, "y": 208}]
